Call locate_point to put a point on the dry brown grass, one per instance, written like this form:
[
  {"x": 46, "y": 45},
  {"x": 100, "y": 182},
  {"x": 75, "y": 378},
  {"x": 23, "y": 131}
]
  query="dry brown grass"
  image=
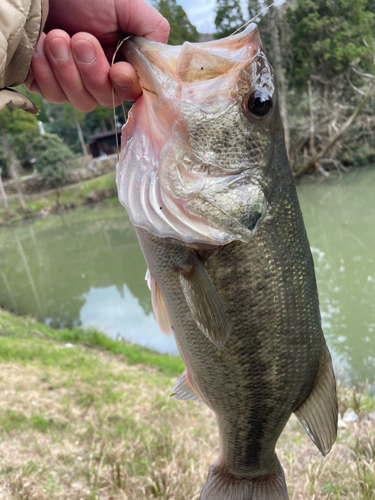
[{"x": 99, "y": 429}]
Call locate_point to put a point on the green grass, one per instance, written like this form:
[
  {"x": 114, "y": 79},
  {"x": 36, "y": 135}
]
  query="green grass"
[
  {"x": 75, "y": 194},
  {"x": 21, "y": 340},
  {"x": 94, "y": 420}
]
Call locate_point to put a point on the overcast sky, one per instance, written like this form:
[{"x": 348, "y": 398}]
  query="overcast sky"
[{"x": 201, "y": 13}]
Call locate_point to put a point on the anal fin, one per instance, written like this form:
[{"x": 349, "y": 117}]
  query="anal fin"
[
  {"x": 158, "y": 305},
  {"x": 205, "y": 304},
  {"x": 183, "y": 390},
  {"x": 318, "y": 414}
]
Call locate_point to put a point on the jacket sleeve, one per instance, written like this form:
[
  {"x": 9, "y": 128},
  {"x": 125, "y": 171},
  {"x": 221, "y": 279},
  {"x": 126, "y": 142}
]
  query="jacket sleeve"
[{"x": 21, "y": 22}]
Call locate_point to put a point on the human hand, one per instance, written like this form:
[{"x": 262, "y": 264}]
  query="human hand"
[{"x": 72, "y": 61}]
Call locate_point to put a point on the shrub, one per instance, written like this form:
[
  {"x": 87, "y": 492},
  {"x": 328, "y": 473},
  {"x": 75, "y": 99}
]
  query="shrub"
[
  {"x": 50, "y": 149},
  {"x": 51, "y": 154}
]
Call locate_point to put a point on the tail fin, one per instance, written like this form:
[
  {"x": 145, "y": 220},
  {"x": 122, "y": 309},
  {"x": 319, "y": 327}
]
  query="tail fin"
[{"x": 222, "y": 486}]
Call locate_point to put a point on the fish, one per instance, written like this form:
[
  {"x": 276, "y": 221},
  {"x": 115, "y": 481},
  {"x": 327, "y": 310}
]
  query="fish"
[{"x": 204, "y": 176}]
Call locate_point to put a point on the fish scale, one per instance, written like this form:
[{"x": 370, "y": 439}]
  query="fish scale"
[
  {"x": 271, "y": 313},
  {"x": 238, "y": 293}
]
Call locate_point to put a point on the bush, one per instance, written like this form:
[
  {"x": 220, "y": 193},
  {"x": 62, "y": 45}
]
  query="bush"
[
  {"x": 50, "y": 149},
  {"x": 51, "y": 153}
]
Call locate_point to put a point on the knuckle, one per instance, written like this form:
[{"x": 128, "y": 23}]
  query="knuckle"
[
  {"x": 108, "y": 104},
  {"x": 86, "y": 108},
  {"x": 163, "y": 27},
  {"x": 54, "y": 99}
]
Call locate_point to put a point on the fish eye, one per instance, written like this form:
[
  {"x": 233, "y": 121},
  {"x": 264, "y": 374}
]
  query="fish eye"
[{"x": 259, "y": 103}]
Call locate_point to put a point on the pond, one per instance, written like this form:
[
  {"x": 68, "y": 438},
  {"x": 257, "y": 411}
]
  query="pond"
[{"x": 85, "y": 268}]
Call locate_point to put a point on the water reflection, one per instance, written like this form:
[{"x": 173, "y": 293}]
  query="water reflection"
[
  {"x": 86, "y": 268},
  {"x": 120, "y": 315}
]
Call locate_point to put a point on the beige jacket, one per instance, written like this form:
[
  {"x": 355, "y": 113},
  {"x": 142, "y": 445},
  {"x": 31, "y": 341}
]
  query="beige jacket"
[{"x": 21, "y": 22}]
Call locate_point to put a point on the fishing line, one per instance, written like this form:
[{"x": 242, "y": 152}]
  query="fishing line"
[
  {"x": 113, "y": 96},
  {"x": 251, "y": 20}
]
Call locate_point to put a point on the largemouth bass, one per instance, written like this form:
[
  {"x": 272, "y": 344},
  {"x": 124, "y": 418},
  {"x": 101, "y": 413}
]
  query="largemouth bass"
[{"x": 205, "y": 179}]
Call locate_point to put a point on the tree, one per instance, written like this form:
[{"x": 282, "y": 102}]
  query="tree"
[
  {"x": 17, "y": 128},
  {"x": 189, "y": 32},
  {"x": 254, "y": 8},
  {"x": 104, "y": 116},
  {"x": 228, "y": 17},
  {"x": 51, "y": 154},
  {"x": 328, "y": 36},
  {"x": 38, "y": 100},
  {"x": 3, "y": 194},
  {"x": 182, "y": 30},
  {"x": 74, "y": 117}
]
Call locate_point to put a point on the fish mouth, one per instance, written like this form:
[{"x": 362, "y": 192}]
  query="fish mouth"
[
  {"x": 169, "y": 184},
  {"x": 161, "y": 66}
]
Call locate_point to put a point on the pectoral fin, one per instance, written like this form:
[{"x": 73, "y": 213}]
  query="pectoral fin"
[
  {"x": 158, "y": 305},
  {"x": 318, "y": 414},
  {"x": 205, "y": 304},
  {"x": 183, "y": 390}
]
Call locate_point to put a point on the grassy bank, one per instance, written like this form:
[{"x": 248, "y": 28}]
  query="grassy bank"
[
  {"x": 75, "y": 194},
  {"x": 82, "y": 416}
]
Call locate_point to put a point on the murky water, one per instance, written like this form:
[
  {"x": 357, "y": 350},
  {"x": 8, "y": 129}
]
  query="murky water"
[{"x": 85, "y": 268}]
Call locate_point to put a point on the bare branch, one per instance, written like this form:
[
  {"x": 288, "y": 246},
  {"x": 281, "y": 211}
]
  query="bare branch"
[
  {"x": 314, "y": 161},
  {"x": 365, "y": 75},
  {"x": 354, "y": 87}
]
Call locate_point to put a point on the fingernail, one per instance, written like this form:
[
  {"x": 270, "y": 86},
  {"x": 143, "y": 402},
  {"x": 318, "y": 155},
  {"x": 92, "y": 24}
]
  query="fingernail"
[
  {"x": 59, "y": 49},
  {"x": 84, "y": 52},
  {"x": 39, "y": 49},
  {"x": 122, "y": 81}
]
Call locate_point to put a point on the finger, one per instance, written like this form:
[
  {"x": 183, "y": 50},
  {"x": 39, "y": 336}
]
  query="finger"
[
  {"x": 125, "y": 81},
  {"x": 31, "y": 83},
  {"x": 93, "y": 67},
  {"x": 137, "y": 17},
  {"x": 44, "y": 77},
  {"x": 60, "y": 58}
]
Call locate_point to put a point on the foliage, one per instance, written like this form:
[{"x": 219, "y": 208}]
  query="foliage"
[
  {"x": 71, "y": 115},
  {"x": 228, "y": 17},
  {"x": 101, "y": 113},
  {"x": 17, "y": 122},
  {"x": 20, "y": 128},
  {"x": 75, "y": 194},
  {"x": 51, "y": 154},
  {"x": 182, "y": 30},
  {"x": 254, "y": 7},
  {"x": 38, "y": 100},
  {"x": 328, "y": 36},
  {"x": 49, "y": 149}
]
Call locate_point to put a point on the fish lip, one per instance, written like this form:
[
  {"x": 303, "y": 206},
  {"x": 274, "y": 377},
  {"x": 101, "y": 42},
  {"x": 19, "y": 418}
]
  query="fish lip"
[
  {"x": 142, "y": 66},
  {"x": 146, "y": 55},
  {"x": 251, "y": 32}
]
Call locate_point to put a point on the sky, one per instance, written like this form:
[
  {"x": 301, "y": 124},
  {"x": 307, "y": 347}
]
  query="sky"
[{"x": 202, "y": 13}]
